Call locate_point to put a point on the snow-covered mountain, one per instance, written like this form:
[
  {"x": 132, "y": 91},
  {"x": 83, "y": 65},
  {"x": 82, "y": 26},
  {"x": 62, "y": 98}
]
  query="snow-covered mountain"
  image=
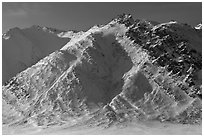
[
  {"x": 125, "y": 70},
  {"x": 25, "y": 47},
  {"x": 199, "y": 26}
]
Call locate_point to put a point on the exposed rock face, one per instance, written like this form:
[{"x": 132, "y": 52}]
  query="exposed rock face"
[
  {"x": 170, "y": 45},
  {"x": 121, "y": 71}
]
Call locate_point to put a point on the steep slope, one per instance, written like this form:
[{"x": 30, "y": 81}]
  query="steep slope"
[
  {"x": 110, "y": 74},
  {"x": 22, "y": 48}
]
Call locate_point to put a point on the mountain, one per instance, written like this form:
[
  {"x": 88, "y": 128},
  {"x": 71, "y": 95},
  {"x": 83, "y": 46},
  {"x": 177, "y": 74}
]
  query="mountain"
[
  {"x": 113, "y": 74},
  {"x": 22, "y": 48},
  {"x": 199, "y": 26}
]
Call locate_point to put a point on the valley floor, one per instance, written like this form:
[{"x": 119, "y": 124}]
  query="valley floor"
[{"x": 145, "y": 128}]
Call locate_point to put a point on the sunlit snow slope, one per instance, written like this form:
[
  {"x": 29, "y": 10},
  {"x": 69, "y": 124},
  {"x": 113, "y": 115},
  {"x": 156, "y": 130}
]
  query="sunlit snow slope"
[{"x": 111, "y": 74}]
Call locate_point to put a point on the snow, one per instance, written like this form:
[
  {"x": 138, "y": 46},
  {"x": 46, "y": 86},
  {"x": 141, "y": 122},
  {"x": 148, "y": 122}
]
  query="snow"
[
  {"x": 199, "y": 26},
  {"x": 133, "y": 128},
  {"x": 102, "y": 77},
  {"x": 70, "y": 34}
]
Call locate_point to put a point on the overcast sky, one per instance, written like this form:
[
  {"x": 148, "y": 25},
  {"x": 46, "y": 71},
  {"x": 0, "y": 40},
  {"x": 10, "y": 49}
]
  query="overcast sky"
[{"x": 82, "y": 16}]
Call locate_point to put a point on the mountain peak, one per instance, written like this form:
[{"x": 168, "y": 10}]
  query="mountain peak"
[
  {"x": 47, "y": 29},
  {"x": 125, "y": 70}
]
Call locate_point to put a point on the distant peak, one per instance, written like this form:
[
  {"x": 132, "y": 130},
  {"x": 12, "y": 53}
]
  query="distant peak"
[
  {"x": 35, "y": 26},
  {"x": 47, "y": 29},
  {"x": 15, "y": 29},
  {"x": 10, "y": 32}
]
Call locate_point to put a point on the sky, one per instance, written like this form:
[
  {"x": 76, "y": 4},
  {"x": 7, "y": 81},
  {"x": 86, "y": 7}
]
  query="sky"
[{"x": 82, "y": 16}]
